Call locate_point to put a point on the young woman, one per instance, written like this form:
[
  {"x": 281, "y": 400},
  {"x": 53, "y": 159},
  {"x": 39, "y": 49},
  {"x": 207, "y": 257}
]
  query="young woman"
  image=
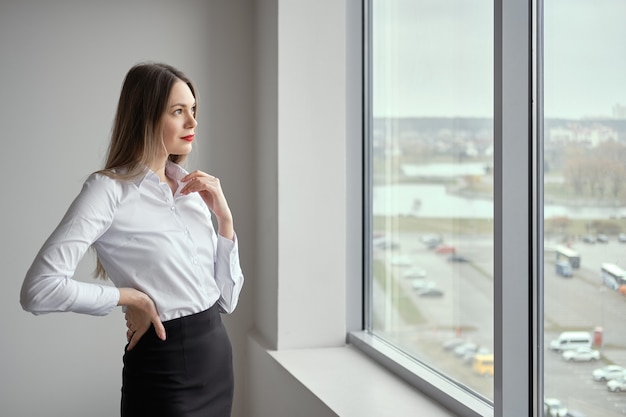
[{"x": 149, "y": 222}]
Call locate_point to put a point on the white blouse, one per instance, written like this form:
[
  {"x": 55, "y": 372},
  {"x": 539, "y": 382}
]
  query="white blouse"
[{"x": 146, "y": 238}]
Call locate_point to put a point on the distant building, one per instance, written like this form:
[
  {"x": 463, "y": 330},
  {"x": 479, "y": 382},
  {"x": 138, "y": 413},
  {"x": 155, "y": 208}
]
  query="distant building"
[
  {"x": 592, "y": 135},
  {"x": 619, "y": 111}
]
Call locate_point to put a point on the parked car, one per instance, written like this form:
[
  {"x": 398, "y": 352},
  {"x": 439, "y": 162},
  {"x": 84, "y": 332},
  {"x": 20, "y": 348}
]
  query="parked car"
[
  {"x": 414, "y": 273},
  {"x": 430, "y": 292},
  {"x": 617, "y": 385},
  {"x": 421, "y": 284},
  {"x": 552, "y": 407},
  {"x": 432, "y": 241},
  {"x": 571, "y": 340},
  {"x": 445, "y": 249},
  {"x": 589, "y": 239},
  {"x": 457, "y": 258},
  {"x": 602, "y": 238},
  {"x": 574, "y": 413},
  {"x": 621, "y": 237},
  {"x": 608, "y": 372},
  {"x": 450, "y": 344},
  {"x": 400, "y": 260},
  {"x": 483, "y": 364},
  {"x": 467, "y": 347},
  {"x": 581, "y": 354},
  {"x": 384, "y": 244},
  {"x": 468, "y": 358}
]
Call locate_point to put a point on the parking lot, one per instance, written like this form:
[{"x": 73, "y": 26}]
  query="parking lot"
[
  {"x": 465, "y": 309},
  {"x": 583, "y": 303}
]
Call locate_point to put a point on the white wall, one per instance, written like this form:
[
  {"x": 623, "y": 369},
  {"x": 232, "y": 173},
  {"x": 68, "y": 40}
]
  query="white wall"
[
  {"x": 301, "y": 108},
  {"x": 272, "y": 79},
  {"x": 61, "y": 68}
]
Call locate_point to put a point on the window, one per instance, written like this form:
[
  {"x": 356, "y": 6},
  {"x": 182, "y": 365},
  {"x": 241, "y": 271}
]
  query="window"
[
  {"x": 452, "y": 198},
  {"x": 501, "y": 226},
  {"x": 432, "y": 183},
  {"x": 584, "y": 162}
]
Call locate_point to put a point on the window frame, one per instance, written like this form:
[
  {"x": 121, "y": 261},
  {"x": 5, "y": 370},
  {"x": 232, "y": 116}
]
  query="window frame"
[{"x": 518, "y": 213}]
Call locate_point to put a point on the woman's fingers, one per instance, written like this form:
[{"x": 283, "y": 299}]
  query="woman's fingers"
[
  {"x": 139, "y": 318},
  {"x": 198, "y": 183},
  {"x": 210, "y": 189},
  {"x": 133, "y": 338},
  {"x": 159, "y": 328}
]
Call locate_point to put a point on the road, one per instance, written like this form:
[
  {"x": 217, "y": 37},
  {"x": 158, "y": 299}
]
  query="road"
[{"x": 466, "y": 309}]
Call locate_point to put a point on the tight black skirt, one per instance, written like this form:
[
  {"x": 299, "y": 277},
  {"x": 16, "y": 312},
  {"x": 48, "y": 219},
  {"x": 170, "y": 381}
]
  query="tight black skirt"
[{"x": 190, "y": 374}]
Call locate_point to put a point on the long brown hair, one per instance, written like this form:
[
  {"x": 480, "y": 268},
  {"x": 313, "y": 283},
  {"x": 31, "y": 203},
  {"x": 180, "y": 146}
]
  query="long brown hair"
[{"x": 136, "y": 137}]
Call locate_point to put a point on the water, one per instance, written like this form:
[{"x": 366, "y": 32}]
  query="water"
[{"x": 432, "y": 200}]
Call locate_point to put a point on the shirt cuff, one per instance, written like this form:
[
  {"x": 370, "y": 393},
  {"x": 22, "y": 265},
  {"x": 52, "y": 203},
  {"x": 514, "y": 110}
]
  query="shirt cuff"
[{"x": 96, "y": 299}]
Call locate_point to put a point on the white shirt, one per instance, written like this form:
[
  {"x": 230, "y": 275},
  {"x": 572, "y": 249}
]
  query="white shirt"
[{"x": 146, "y": 238}]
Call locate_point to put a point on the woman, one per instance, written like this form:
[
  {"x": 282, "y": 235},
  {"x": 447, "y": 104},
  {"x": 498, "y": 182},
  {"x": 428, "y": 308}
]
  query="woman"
[{"x": 149, "y": 222}]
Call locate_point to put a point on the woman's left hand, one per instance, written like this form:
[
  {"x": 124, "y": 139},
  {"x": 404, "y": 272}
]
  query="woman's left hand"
[{"x": 210, "y": 190}]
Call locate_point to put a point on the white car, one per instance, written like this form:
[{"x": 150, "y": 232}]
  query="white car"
[
  {"x": 617, "y": 385},
  {"x": 608, "y": 372},
  {"x": 581, "y": 354},
  {"x": 421, "y": 284},
  {"x": 465, "y": 348},
  {"x": 400, "y": 260},
  {"x": 414, "y": 273},
  {"x": 553, "y": 408},
  {"x": 450, "y": 344},
  {"x": 468, "y": 357}
]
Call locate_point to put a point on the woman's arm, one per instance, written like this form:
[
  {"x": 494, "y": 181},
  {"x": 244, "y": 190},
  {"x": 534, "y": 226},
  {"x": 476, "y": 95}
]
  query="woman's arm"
[
  {"x": 227, "y": 272},
  {"x": 48, "y": 285},
  {"x": 210, "y": 189}
]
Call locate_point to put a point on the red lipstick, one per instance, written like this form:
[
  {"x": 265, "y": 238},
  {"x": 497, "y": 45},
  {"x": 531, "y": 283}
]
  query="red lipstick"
[{"x": 188, "y": 138}]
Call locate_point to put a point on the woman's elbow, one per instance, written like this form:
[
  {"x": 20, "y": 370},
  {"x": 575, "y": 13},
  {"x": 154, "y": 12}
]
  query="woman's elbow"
[
  {"x": 27, "y": 300},
  {"x": 33, "y": 297}
]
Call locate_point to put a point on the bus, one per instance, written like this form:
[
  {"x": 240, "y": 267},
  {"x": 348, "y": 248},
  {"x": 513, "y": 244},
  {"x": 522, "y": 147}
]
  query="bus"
[
  {"x": 613, "y": 276},
  {"x": 563, "y": 253}
]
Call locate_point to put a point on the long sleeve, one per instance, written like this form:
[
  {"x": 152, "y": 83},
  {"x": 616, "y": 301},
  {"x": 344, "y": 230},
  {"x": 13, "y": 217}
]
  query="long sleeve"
[
  {"x": 48, "y": 285},
  {"x": 228, "y": 274}
]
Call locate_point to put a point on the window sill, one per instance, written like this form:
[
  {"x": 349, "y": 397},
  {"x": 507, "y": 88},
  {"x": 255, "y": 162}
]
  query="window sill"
[
  {"x": 351, "y": 384},
  {"x": 429, "y": 382}
]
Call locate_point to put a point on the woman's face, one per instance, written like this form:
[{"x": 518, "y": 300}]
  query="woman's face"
[{"x": 179, "y": 122}]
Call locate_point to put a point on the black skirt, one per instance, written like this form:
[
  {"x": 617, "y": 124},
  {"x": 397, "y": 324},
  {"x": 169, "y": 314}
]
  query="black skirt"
[{"x": 190, "y": 374}]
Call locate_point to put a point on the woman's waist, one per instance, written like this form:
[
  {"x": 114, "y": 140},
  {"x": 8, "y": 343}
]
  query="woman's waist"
[
  {"x": 200, "y": 318},
  {"x": 175, "y": 301},
  {"x": 173, "y": 313}
]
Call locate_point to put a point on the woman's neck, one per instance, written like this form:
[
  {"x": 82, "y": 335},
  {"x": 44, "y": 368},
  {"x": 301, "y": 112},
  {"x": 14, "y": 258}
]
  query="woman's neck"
[{"x": 159, "y": 169}]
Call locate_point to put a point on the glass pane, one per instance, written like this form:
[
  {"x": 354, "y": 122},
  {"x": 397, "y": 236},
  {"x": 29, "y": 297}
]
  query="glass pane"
[
  {"x": 584, "y": 206},
  {"x": 432, "y": 196}
]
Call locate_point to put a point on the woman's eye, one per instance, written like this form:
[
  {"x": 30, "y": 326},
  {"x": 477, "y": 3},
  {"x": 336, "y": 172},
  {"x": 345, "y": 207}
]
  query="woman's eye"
[
  {"x": 178, "y": 111},
  {"x": 193, "y": 110}
]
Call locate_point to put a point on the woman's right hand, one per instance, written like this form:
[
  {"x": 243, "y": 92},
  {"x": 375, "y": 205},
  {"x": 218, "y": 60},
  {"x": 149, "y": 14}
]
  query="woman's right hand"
[{"x": 140, "y": 314}]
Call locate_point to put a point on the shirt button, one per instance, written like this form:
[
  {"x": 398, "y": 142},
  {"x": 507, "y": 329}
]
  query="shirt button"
[{"x": 173, "y": 208}]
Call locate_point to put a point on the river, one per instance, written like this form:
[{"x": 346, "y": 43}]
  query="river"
[{"x": 432, "y": 200}]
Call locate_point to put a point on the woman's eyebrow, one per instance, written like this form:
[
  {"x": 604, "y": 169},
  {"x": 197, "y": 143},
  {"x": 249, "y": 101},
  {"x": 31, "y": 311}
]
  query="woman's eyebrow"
[{"x": 182, "y": 105}]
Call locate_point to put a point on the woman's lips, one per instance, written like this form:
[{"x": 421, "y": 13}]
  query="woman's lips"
[{"x": 188, "y": 138}]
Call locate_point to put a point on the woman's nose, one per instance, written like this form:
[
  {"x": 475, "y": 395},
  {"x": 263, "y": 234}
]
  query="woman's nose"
[{"x": 191, "y": 120}]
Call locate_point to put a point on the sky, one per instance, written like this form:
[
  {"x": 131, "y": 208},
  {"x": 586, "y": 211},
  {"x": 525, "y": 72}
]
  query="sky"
[{"x": 435, "y": 57}]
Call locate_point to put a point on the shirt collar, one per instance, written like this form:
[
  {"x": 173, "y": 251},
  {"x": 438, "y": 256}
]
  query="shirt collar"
[
  {"x": 172, "y": 170},
  {"x": 175, "y": 171}
]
